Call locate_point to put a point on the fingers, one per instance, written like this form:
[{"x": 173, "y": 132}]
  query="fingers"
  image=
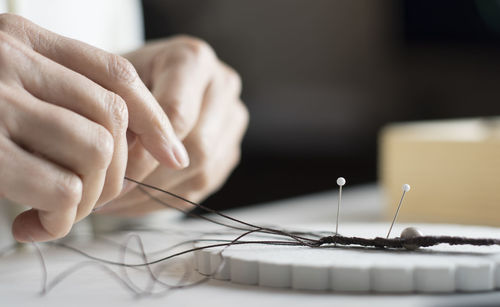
[
  {"x": 180, "y": 87},
  {"x": 74, "y": 92},
  {"x": 211, "y": 165},
  {"x": 213, "y": 145},
  {"x": 223, "y": 120},
  {"x": 65, "y": 138},
  {"x": 195, "y": 188},
  {"x": 53, "y": 191},
  {"x": 221, "y": 106},
  {"x": 113, "y": 72}
]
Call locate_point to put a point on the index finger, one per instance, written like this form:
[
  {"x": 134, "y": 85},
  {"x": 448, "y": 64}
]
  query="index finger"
[{"x": 146, "y": 117}]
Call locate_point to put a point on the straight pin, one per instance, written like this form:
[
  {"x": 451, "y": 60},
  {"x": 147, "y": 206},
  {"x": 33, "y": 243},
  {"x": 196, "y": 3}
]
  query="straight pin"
[
  {"x": 341, "y": 182},
  {"x": 406, "y": 188}
]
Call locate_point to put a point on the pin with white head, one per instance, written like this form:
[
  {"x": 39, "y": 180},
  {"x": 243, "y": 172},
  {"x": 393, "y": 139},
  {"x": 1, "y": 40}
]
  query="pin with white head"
[
  {"x": 340, "y": 182},
  {"x": 406, "y": 188}
]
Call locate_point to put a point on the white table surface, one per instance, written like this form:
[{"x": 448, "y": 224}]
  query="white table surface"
[{"x": 20, "y": 274}]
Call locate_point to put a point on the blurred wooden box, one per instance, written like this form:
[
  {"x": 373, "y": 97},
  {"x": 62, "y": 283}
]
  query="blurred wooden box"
[{"x": 453, "y": 168}]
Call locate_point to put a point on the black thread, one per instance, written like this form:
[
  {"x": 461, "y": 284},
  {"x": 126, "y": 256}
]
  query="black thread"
[{"x": 291, "y": 238}]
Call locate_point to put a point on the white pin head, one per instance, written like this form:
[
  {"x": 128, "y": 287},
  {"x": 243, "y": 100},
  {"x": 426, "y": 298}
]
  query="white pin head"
[
  {"x": 406, "y": 187},
  {"x": 341, "y": 181}
]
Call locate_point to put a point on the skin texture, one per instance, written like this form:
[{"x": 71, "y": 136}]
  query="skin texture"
[
  {"x": 200, "y": 95},
  {"x": 75, "y": 119}
]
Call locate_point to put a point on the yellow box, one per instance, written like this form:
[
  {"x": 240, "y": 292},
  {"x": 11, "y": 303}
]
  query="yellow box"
[{"x": 453, "y": 168}]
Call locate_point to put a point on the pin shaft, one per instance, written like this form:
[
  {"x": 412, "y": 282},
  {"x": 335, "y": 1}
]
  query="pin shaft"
[
  {"x": 396, "y": 215},
  {"x": 338, "y": 211}
]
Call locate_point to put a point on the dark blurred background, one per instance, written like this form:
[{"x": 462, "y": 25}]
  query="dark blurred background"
[{"x": 320, "y": 78}]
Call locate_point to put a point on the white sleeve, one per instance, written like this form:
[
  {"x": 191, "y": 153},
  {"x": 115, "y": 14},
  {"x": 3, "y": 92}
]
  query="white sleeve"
[
  {"x": 3, "y": 6},
  {"x": 112, "y": 25}
]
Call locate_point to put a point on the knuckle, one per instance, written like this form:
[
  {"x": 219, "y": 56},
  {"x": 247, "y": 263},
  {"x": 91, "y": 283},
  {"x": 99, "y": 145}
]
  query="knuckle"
[
  {"x": 233, "y": 79},
  {"x": 121, "y": 70},
  {"x": 244, "y": 115},
  {"x": 117, "y": 112},
  {"x": 12, "y": 52},
  {"x": 102, "y": 148},
  {"x": 70, "y": 191},
  {"x": 7, "y": 20},
  {"x": 196, "y": 47}
]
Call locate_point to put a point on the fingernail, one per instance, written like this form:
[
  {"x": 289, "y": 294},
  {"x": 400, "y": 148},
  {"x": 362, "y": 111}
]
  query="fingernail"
[{"x": 180, "y": 154}]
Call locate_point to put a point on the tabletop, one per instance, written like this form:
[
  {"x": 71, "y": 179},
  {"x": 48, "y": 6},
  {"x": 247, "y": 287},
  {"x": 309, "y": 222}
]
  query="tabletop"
[{"x": 21, "y": 275}]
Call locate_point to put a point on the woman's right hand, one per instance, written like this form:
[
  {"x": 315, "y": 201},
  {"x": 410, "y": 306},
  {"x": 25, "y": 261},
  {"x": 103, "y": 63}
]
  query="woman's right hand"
[{"x": 65, "y": 108}]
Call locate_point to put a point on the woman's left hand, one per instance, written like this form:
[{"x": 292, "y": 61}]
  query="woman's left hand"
[{"x": 200, "y": 96}]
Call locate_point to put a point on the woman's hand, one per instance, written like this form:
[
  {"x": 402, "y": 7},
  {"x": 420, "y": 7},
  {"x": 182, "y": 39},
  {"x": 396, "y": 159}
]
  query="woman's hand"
[
  {"x": 200, "y": 95},
  {"x": 64, "y": 112}
]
